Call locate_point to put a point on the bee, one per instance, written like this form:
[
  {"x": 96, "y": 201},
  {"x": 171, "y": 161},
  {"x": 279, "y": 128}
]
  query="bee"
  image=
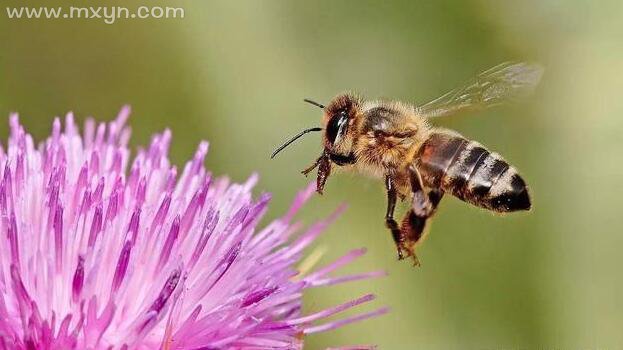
[{"x": 418, "y": 162}]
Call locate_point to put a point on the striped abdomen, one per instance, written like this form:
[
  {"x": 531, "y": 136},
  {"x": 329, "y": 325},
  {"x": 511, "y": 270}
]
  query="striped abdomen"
[{"x": 468, "y": 171}]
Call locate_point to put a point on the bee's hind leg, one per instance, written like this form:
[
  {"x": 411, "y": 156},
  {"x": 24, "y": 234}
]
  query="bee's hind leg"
[
  {"x": 423, "y": 207},
  {"x": 412, "y": 231}
]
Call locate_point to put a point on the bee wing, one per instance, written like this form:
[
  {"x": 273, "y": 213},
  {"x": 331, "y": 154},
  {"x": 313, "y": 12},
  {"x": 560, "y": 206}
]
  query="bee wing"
[{"x": 505, "y": 82}]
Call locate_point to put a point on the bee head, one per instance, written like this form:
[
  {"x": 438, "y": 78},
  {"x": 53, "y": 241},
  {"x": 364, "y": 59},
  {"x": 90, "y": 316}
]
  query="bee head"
[{"x": 339, "y": 124}]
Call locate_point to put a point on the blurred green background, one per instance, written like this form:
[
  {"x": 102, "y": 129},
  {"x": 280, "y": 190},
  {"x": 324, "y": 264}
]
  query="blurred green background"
[{"x": 235, "y": 73}]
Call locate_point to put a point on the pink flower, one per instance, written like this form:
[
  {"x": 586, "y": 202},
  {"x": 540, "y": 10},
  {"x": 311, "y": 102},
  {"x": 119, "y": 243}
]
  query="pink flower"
[{"x": 96, "y": 257}]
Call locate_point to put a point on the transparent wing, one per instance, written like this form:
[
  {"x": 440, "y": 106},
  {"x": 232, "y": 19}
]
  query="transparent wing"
[{"x": 505, "y": 82}]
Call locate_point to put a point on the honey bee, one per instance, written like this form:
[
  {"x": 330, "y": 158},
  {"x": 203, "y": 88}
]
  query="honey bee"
[{"x": 394, "y": 141}]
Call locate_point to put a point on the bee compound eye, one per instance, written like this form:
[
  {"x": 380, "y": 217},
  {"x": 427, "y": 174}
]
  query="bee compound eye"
[{"x": 337, "y": 126}]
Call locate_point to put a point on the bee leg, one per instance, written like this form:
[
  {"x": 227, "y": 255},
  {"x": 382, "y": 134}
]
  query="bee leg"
[
  {"x": 423, "y": 207},
  {"x": 324, "y": 170},
  {"x": 310, "y": 168},
  {"x": 411, "y": 230},
  {"x": 390, "y": 223}
]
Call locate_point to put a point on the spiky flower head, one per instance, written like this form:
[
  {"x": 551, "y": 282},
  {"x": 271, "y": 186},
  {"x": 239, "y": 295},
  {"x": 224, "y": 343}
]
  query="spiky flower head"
[{"x": 99, "y": 256}]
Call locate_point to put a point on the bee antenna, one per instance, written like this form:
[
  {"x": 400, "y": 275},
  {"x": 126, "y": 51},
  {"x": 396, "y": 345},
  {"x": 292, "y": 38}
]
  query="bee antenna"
[
  {"x": 287, "y": 143},
  {"x": 313, "y": 103}
]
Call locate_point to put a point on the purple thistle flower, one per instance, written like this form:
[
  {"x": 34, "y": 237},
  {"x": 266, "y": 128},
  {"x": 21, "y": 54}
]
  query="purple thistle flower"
[{"x": 96, "y": 257}]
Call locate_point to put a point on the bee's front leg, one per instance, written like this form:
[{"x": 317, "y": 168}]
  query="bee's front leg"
[
  {"x": 323, "y": 164},
  {"x": 324, "y": 170}
]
